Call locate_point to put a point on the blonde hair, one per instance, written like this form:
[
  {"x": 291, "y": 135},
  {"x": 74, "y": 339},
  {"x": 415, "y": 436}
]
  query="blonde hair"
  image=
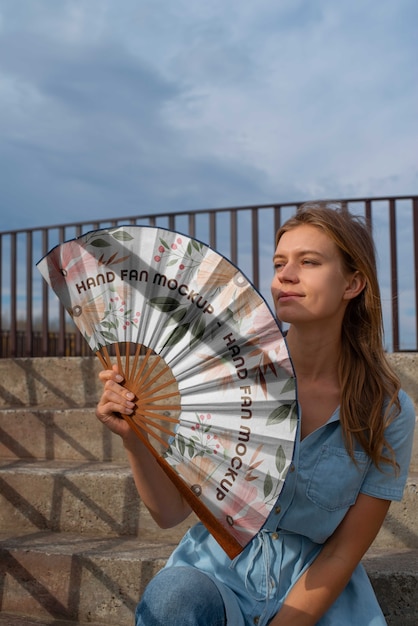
[{"x": 369, "y": 386}]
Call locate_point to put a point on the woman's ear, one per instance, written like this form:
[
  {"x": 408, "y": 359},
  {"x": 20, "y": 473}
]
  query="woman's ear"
[{"x": 356, "y": 284}]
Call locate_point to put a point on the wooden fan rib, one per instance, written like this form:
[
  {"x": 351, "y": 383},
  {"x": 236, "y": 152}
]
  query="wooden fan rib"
[
  {"x": 145, "y": 374},
  {"x": 127, "y": 353},
  {"x": 119, "y": 358},
  {"x": 149, "y": 394},
  {"x": 104, "y": 358},
  {"x": 141, "y": 368},
  {"x": 158, "y": 416},
  {"x": 144, "y": 420},
  {"x": 146, "y": 385},
  {"x": 135, "y": 361},
  {"x": 153, "y": 434}
]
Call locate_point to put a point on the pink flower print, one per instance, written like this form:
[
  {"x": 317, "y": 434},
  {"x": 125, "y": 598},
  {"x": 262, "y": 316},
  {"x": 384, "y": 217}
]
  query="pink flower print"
[
  {"x": 219, "y": 370},
  {"x": 88, "y": 313},
  {"x": 68, "y": 263},
  {"x": 269, "y": 341},
  {"x": 197, "y": 472},
  {"x": 215, "y": 270},
  {"x": 244, "y": 512},
  {"x": 235, "y": 292}
]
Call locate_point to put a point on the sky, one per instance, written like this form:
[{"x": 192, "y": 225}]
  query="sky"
[{"x": 127, "y": 107}]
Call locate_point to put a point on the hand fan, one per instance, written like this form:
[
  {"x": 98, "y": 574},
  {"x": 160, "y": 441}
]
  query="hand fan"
[{"x": 198, "y": 345}]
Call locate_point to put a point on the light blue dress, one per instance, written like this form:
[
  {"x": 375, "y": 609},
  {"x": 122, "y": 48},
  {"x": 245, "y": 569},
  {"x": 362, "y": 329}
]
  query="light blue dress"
[{"x": 321, "y": 485}]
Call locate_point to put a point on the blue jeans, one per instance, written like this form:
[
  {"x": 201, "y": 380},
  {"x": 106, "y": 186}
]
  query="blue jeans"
[{"x": 181, "y": 596}]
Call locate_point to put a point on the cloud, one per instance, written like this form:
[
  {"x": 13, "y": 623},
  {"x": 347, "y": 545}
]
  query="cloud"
[{"x": 113, "y": 108}]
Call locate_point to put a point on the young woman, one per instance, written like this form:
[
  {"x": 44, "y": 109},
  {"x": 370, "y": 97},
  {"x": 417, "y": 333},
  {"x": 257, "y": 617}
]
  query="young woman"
[{"x": 351, "y": 457}]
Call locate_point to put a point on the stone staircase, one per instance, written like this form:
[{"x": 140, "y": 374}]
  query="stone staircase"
[{"x": 77, "y": 547}]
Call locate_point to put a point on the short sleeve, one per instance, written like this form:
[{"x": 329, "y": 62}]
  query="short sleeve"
[{"x": 384, "y": 482}]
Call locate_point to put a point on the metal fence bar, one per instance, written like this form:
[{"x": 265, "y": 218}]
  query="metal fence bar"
[
  {"x": 415, "y": 260},
  {"x": 13, "y": 294},
  {"x": 394, "y": 275}
]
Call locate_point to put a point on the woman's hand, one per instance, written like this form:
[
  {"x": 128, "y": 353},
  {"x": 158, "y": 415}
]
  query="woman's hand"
[
  {"x": 115, "y": 400},
  {"x": 155, "y": 489}
]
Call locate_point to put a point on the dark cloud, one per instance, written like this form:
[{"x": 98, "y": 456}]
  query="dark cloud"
[{"x": 126, "y": 108}]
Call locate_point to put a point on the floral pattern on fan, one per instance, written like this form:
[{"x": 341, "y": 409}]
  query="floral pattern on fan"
[
  {"x": 196, "y": 457},
  {"x": 214, "y": 385}
]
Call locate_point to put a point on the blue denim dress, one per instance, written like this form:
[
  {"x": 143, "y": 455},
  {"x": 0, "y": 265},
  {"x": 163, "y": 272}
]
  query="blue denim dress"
[{"x": 321, "y": 485}]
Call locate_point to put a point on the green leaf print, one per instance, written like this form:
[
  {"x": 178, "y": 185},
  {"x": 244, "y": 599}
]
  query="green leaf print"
[
  {"x": 197, "y": 330},
  {"x": 177, "y": 335},
  {"x": 164, "y": 304},
  {"x": 293, "y": 416},
  {"x": 100, "y": 243},
  {"x": 109, "y": 336},
  {"x": 181, "y": 444},
  {"x": 289, "y": 385},
  {"x": 122, "y": 235},
  {"x": 191, "y": 449},
  {"x": 177, "y": 316},
  {"x": 279, "y": 415},
  {"x": 280, "y": 459},
  {"x": 268, "y": 485}
]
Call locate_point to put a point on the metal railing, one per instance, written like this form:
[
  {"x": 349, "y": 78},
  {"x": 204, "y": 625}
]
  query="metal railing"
[{"x": 33, "y": 323}]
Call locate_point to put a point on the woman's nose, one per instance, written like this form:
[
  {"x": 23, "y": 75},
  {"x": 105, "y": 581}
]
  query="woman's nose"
[{"x": 287, "y": 273}]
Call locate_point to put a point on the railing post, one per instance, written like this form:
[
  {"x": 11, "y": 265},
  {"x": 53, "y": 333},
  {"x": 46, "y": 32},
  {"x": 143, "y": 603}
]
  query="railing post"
[
  {"x": 415, "y": 227},
  {"x": 29, "y": 296},
  {"x": 394, "y": 275},
  {"x": 13, "y": 295},
  {"x": 255, "y": 248}
]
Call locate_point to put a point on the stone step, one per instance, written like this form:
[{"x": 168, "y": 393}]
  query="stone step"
[
  {"x": 70, "y": 434},
  {"x": 85, "y": 497},
  {"x": 57, "y": 434},
  {"x": 100, "y": 498},
  {"x": 59, "y": 576},
  {"x": 84, "y": 579},
  {"x": 394, "y": 575},
  {"x": 49, "y": 382},
  {"x": 9, "y": 619}
]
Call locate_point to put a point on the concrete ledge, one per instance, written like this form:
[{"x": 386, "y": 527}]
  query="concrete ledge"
[
  {"x": 55, "y": 382},
  {"x": 7, "y": 619},
  {"x": 57, "y": 434},
  {"x": 87, "y": 498},
  {"x": 69, "y": 577},
  {"x": 394, "y": 575}
]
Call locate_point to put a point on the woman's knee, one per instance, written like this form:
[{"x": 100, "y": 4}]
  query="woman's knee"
[{"x": 181, "y": 595}]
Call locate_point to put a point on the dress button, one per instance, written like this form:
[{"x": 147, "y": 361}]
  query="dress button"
[
  {"x": 256, "y": 620},
  {"x": 291, "y": 468},
  {"x": 277, "y": 509},
  {"x": 274, "y": 535}
]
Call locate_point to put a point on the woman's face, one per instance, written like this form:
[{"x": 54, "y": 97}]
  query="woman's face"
[{"x": 309, "y": 283}]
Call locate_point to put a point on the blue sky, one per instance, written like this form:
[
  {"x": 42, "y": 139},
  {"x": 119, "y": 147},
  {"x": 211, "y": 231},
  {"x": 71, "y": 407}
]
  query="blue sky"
[{"x": 127, "y": 107}]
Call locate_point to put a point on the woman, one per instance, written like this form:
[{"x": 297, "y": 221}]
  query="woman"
[{"x": 351, "y": 455}]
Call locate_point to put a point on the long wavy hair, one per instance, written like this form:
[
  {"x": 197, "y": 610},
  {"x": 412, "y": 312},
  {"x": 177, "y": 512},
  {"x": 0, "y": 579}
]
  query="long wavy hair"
[{"x": 369, "y": 386}]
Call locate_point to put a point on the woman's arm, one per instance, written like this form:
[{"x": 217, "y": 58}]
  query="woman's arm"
[
  {"x": 155, "y": 489},
  {"x": 325, "y": 579}
]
